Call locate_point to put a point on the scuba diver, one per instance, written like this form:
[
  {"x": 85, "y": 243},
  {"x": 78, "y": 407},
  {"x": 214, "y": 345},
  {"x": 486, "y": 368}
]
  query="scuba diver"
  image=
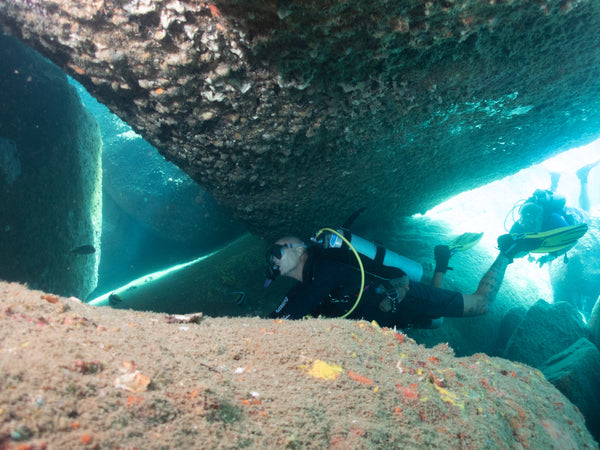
[
  {"x": 332, "y": 288},
  {"x": 546, "y": 212}
]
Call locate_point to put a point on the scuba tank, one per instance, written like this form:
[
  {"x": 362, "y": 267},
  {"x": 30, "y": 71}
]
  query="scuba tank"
[
  {"x": 550, "y": 201},
  {"x": 381, "y": 261}
]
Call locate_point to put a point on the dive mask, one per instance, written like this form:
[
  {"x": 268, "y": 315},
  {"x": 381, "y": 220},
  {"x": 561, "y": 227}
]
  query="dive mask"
[{"x": 276, "y": 252}]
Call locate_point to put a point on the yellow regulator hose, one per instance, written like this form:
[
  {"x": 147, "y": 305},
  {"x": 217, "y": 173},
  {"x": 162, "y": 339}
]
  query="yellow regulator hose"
[{"x": 360, "y": 264}]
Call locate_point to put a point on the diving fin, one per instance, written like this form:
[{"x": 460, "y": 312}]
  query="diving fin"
[
  {"x": 464, "y": 242},
  {"x": 557, "y": 239}
]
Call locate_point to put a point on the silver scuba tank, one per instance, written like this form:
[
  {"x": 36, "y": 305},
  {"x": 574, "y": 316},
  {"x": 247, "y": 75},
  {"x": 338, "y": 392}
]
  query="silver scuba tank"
[{"x": 413, "y": 269}]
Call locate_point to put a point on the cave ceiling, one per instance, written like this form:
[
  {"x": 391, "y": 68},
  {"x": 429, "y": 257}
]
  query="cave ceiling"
[{"x": 293, "y": 114}]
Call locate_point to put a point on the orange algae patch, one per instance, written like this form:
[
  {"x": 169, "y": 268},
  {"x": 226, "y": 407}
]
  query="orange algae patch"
[
  {"x": 360, "y": 378},
  {"x": 400, "y": 337},
  {"x": 560, "y": 436},
  {"x": 213, "y": 10},
  {"x": 135, "y": 382},
  {"x": 78, "y": 69},
  {"x": 133, "y": 400},
  {"x": 50, "y": 298},
  {"x": 406, "y": 392}
]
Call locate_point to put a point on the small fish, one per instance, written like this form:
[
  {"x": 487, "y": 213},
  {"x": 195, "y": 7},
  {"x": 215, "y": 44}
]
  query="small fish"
[
  {"x": 84, "y": 250},
  {"x": 114, "y": 300},
  {"x": 241, "y": 299}
]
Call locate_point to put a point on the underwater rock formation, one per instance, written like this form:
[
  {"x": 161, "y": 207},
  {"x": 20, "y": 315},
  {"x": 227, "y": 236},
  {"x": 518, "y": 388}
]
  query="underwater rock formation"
[
  {"x": 546, "y": 330},
  {"x": 50, "y": 177},
  {"x": 155, "y": 192},
  {"x": 573, "y": 372},
  {"x": 189, "y": 381},
  {"x": 594, "y": 323},
  {"x": 577, "y": 280},
  {"x": 161, "y": 197},
  {"x": 293, "y": 114}
]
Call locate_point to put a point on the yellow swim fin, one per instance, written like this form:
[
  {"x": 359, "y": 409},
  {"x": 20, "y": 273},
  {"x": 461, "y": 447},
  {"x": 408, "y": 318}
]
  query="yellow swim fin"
[
  {"x": 464, "y": 242},
  {"x": 557, "y": 239}
]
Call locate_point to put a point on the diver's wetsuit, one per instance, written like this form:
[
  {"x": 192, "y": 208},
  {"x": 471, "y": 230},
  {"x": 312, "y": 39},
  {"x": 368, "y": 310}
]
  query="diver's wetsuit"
[
  {"x": 555, "y": 220},
  {"x": 330, "y": 289},
  {"x": 555, "y": 213}
]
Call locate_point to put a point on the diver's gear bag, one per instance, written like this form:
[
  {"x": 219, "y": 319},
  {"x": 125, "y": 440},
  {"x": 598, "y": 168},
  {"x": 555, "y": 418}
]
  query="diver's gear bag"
[{"x": 377, "y": 260}]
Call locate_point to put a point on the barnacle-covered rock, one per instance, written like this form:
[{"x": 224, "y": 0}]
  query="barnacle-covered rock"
[{"x": 367, "y": 98}]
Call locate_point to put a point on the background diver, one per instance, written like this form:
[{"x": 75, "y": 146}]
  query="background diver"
[
  {"x": 547, "y": 210},
  {"x": 327, "y": 287}
]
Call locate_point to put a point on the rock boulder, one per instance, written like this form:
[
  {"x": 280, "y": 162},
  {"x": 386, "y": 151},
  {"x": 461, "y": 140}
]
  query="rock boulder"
[
  {"x": 546, "y": 330},
  {"x": 293, "y": 114},
  {"x": 573, "y": 372},
  {"x": 50, "y": 177}
]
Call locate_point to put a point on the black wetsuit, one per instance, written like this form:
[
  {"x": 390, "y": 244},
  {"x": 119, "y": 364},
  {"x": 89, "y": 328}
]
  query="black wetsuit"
[{"x": 330, "y": 288}]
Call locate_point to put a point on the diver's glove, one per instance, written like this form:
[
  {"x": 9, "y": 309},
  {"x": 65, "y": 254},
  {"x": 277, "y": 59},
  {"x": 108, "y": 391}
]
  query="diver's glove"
[
  {"x": 516, "y": 246},
  {"x": 442, "y": 255}
]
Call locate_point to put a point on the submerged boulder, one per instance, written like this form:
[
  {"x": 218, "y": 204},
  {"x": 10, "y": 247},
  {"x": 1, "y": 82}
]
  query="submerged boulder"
[
  {"x": 154, "y": 192},
  {"x": 189, "y": 381},
  {"x": 50, "y": 177},
  {"x": 288, "y": 112},
  {"x": 546, "y": 330},
  {"x": 577, "y": 280},
  {"x": 574, "y": 372},
  {"x": 163, "y": 198},
  {"x": 508, "y": 325},
  {"x": 594, "y": 323}
]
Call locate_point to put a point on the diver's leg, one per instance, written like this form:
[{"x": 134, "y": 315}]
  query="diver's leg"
[
  {"x": 584, "y": 198},
  {"x": 554, "y": 179},
  {"x": 582, "y": 174},
  {"x": 477, "y": 303}
]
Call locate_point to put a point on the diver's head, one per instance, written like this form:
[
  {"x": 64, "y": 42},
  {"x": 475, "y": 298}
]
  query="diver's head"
[
  {"x": 285, "y": 257},
  {"x": 531, "y": 217}
]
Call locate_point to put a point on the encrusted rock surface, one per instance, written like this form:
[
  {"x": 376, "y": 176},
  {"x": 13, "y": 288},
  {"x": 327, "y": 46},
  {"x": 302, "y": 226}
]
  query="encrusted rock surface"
[
  {"x": 50, "y": 177},
  {"x": 583, "y": 265},
  {"x": 293, "y": 114},
  {"x": 546, "y": 330},
  {"x": 146, "y": 380},
  {"x": 570, "y": 372}
]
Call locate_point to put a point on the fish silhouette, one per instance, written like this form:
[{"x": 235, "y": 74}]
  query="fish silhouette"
[{"x": 84, "y": 250}]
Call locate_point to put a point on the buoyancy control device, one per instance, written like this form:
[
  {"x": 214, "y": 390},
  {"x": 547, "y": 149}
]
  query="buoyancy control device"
[
  {"x": 348, "y": 248},
  {"x": 370, "y": 258},
  {"x": 376, "y": 259}
]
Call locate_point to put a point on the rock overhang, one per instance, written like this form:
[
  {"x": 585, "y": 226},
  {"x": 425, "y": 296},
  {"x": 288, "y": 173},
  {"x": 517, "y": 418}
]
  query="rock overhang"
[{"x": 295, "y": 114}]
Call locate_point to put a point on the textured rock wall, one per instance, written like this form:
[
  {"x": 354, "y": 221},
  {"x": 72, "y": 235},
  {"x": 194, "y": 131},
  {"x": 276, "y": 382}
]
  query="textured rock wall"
[
  {"x": 50, "y": 176},
  {"x": 583, "y": 265},
  {"x": 293, "y": 114},
  {"x": 252, "y": 383}
]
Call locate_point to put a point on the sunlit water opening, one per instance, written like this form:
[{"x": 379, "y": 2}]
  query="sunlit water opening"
[{"x": 491, "y": 208}]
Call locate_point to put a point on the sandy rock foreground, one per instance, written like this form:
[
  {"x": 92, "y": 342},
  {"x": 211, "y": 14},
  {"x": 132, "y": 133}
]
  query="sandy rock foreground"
[{"x": 73, "y": 375}]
